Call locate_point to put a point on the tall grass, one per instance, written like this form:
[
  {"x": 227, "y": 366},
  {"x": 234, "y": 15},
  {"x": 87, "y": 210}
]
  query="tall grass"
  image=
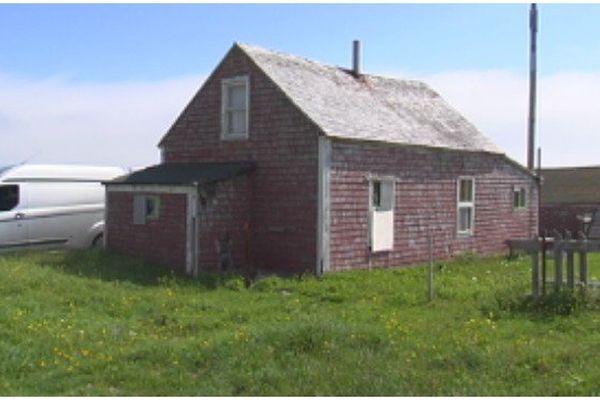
[{"x": 91, "y": 323}]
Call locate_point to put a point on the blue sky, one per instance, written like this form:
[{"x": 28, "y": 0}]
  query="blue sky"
[
  {"x": 131, "y": 42},
  {"x": 81, "y": 64}
]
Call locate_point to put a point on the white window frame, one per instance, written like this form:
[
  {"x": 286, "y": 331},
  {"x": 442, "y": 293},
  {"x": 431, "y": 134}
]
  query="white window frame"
[
  {"x": 225, "y": 85},
  {"x": 140, "y": 207},
  {"x": 465, "y": 204},
  {"x": 518, "y": 189}
]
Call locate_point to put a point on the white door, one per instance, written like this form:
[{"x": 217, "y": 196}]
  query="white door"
[{"x": 13, "y": 225}]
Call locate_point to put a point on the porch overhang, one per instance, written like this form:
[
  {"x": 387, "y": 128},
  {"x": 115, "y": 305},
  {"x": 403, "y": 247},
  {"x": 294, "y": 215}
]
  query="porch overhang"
[{"x": 186, "y": 174}]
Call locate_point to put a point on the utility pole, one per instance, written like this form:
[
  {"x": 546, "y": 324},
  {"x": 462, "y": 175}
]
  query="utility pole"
[{"x": 533, "y": 27}]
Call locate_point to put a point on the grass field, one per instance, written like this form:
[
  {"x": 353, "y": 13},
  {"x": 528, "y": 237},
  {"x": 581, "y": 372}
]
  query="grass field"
[{"x": 89, "y": 323}]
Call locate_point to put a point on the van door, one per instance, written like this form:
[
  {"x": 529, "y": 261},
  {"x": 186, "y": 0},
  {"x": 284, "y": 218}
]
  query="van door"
[
  {"x": 13, "y": 225},
  {"x": 62, "y": 213}
]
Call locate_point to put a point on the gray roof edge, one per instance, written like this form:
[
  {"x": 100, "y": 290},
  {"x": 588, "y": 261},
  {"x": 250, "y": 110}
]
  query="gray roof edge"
[{"x": 245, "y": 168}]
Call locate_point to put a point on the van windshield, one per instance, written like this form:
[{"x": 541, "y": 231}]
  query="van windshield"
[{"x": 9, "y": 197}]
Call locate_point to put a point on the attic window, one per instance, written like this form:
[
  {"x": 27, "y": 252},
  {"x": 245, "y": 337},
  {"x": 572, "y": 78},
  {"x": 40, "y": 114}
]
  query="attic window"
[{"x": 234, "y": 100}]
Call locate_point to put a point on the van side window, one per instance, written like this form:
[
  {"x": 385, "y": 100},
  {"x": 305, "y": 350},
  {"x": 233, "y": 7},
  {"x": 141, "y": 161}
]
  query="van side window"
[{"x": 9, "y": 197}]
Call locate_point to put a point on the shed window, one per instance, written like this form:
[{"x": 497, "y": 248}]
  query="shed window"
[
  {"x": 466, "y": 206},
  {"x": 235, "y": 99},
  {"x": 381, "y": 215},
  {"x": 145, "y": 208},
  {"x": 519, "y": 198},
  {"x": 9, "y": 197}
]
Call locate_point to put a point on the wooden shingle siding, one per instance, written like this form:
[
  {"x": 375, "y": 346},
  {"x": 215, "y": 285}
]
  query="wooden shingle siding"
[
  {"x": 282, "y": 142},
  {"x": 161, "y": 241},
  {"x": 425, "y": 198}
]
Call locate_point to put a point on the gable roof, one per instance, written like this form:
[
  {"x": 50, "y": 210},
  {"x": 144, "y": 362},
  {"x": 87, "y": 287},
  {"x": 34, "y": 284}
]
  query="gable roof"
[
  {"x": 571, "y": 185},
  {"x": 369, "y": 107}
]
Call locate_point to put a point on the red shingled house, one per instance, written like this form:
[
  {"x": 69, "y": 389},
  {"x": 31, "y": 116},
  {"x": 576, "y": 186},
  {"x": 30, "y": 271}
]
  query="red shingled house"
[{"x": 285, "y": 164}]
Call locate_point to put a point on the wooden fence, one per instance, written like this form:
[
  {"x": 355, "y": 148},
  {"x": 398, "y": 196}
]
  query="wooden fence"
[{"x": 565, "y": 251}]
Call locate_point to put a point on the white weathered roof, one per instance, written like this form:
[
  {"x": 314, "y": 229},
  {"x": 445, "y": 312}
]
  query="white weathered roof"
[
  {"x": 28, "y": 172},
  {"x": 369, "y": 107}
]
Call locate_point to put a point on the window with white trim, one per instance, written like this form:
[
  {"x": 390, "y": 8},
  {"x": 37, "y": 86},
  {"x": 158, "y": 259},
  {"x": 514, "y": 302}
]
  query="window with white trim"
[
  {"x": 235, "y": 99},
  {"x": 519, "y": 198},
  {"x": 381, "y": 215},
  {"x": 465, "y": 209},
  {"x": 145, "y": 208}
]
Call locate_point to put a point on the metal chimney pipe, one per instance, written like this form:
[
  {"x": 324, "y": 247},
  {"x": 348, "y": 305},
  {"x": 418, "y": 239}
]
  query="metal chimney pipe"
[{"x": 356, "y": 57}]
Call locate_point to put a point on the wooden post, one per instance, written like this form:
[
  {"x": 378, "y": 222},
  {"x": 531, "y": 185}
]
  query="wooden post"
[
  {"x": 583, "y": 268},
  {"x": 430, "y": 269},
  {"x": 535, "y": 274},
  {"x": 558, "y": 263},
  {"x": 570, "y": 269},
  {"x": 543, "y": 265}
]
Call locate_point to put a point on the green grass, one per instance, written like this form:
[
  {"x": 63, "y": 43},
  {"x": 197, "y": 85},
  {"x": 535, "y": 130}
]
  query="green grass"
[{"x": 90, "y": 323}]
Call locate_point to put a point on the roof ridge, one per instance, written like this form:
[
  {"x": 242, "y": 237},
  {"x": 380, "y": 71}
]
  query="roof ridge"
[{"x": 246, "y": 46}]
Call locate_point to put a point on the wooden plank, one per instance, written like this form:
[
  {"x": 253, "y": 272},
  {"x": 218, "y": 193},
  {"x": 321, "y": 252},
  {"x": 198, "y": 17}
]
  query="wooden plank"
[
  {"x": 570, "y": 269},
  {"x": 558, "y": 255},
  {"x": 583, "y": 268},
  {"x": 544, "y": 265},
  {"x": 535, "y": 275},
  {"x": 522, "y": 244},
  {"x": 430, "y": 270}
]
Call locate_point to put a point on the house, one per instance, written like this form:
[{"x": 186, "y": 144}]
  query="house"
[
  {"x": 570, "y": 201},
  {"x": 286, "y": 164}
]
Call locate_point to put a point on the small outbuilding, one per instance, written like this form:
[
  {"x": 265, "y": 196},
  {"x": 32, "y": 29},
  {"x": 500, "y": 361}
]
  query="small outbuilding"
[
  {"x": 570, "y": 201},
  {"x": 285, "y": 164}
]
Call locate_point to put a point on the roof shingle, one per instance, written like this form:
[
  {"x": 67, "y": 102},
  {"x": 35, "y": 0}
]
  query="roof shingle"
[
  {"x": 186, "y": 173},
  {"x": 369, "y": 107}
]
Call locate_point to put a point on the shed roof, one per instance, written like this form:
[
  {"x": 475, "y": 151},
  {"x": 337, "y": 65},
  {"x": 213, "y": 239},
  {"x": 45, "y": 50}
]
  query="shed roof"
[
  {"x": 186, "y": 173},
  {"x": 571, "y": 185},
  {"x": 369, "y": 107}
]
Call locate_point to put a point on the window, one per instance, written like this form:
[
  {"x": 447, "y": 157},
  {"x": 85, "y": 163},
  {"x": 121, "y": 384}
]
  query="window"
[
  {"x": 145, "y": 208},
  {"x": 9, "y": 197},
  {"x": 235, "y": 98},
  {"x": 465, "y": 206},
  {"x": 376, "y": 199},
  {"x": 381, "y": 215},
  {"x": 519, "y": 196}
]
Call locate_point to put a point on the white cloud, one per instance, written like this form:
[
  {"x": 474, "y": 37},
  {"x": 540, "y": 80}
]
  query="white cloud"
[
  {"x": 568, "y": 121},
  {"x": 59, "y": 121}
]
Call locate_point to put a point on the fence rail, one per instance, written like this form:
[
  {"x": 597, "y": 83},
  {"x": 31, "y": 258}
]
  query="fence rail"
[{"x": 566, "y": 252}]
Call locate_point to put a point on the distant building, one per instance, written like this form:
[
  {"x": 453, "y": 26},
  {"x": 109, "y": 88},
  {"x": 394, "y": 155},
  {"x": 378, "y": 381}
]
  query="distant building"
[
  {"x": 571, "y": 201},
  {"x": 285, "y": 164}
]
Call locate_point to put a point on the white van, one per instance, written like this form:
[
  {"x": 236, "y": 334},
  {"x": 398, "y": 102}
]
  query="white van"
[{"x": 52, "y": 205}]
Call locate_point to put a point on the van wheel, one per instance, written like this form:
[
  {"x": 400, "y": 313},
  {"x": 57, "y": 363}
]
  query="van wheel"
[{"x": 98, "y": 241}]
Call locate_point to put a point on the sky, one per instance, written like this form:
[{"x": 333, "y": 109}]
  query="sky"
[{"x": 101, "y": 84}]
